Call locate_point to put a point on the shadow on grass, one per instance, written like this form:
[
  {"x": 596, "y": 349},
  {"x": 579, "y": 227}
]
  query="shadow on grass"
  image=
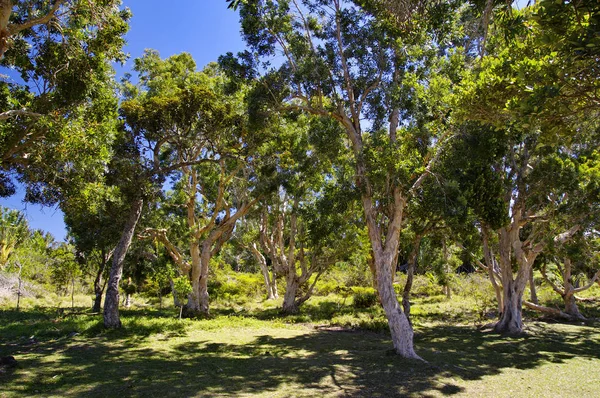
[{"x": 311, "y": 363}]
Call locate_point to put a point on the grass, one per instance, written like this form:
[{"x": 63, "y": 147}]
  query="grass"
[
  {"x": 330, "y": 349},
  {"x": 257, "y": 352}
]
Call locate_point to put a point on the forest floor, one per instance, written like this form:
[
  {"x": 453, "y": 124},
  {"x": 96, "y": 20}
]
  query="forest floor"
[{"x": 255, "y": 352}]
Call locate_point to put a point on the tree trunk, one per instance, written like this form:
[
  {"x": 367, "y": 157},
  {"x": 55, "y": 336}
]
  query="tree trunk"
[
  {"x": 111, "y": 302},
  {"x": 447, "y": 290},
  {"x": 511, "y": 321},
  {"x": 400, "y": 328},
  {"x": 410, "y": 273},
  {"x": 72, "y": 294},
  {"x": 262, "y": 262},
  {"x": 571, "y": 307},
  {"x": 99, "y": 286},
  {"x": 274, "y": 285},
  {"x": 291, "y": 289},
  {"x": 127, "y": 300},
  {"x": 532, "y": 290},
  {"x": 569, "y": 292},
  {"x": 491, "y": 268},
  {"x": 198, "y": 300}
]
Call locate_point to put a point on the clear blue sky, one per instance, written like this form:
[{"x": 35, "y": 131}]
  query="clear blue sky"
[{"x": 204, "y": 28}]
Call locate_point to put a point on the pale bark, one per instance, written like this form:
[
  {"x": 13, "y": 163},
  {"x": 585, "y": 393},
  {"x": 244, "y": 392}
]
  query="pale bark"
[
  {"x": 270, "y": 283},
  {"x": 291, "y": 290},
  {"x": 567, "y": 292},
  {"x": 111, "y": 302}
]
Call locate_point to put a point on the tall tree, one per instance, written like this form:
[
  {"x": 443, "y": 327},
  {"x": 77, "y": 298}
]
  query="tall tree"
[
  {"x": 343, "y": 64},
  {"x": 192, "y": 129}
]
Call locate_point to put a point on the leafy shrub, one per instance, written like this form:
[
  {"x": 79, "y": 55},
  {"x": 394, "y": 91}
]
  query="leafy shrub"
[
  {"x": 237, "y": 286},
  {"x": 364, "y": 297}
]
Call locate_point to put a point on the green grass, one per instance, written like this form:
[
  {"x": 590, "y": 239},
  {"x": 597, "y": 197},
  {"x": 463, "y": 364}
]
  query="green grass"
[{"x": 330, "y": 349}]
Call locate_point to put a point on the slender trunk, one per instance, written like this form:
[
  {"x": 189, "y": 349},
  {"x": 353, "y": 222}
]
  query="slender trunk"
[
  {"x": 99, "y": 286},
  {"x": 291, "y": 289},
  {"x": 111, "y": 302},
  {"x": 532, "y": 290},
  {"x": 447, "y": 289},
  {"x": 127, "y": 300},
  {"x": 72, "y": 294},
  {"x": 274, "y": 284},
  {"x": 262, "y": 262},
  {"x": 19, "y": 289},
  {"x": 491, "y": 268},
  {"x": 410, "y": 272}
]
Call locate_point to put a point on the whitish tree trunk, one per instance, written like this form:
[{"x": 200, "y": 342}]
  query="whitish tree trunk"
[
  {"x": 111, "y": 302},
  {"x": 400, "y": 328},
  {"x": 262, "y": 262},
  {"x": 291, "y": 289},
  {"x": 511, "y": 321},
  {"x": 127, "y": 300},
  {"x": 274, "y": 285},
  {"x": 569, "y": 292}
]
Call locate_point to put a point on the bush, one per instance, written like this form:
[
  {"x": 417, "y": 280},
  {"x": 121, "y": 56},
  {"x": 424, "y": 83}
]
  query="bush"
[
  {"x": 364, "y": 297},
  {"x": 238, "y": 286}
]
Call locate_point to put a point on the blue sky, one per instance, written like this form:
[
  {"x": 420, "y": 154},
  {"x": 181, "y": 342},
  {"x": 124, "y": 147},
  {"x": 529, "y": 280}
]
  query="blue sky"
[{"x": 204, "y": 28}]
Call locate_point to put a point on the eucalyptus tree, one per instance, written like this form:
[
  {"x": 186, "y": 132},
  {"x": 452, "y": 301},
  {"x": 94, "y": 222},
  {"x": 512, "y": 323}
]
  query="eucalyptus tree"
[
  {"x": 93, "y": 217},
  {"x": 388, "y": 92},
  {"x": 193, "y": 129},
  {"x": 567, "y": 263},
  {"x": 534, "y": 133},
  {"x": 304, "y": 161},
  {"x": 57, "y": 93}
]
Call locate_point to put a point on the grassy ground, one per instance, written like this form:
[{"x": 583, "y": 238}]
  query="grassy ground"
[{"x": 253, "y": 351}]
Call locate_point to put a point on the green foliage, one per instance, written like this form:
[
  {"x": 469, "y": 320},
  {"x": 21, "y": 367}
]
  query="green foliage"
[
  {"x": 181, "y": 288},
  {"x": 13, "y": 231},
  {"x": 66, "y": 89},
  {"x": 65, "y": 268},
  {"x": 364, "y": 297}
]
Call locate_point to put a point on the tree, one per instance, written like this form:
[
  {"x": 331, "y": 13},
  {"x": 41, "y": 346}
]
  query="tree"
[
  {"x": 342, "y": 64},
  {"x": 65, "y": 269},
  {"x": 537, "y": 124},
  {"x": 199, "y": 135},
  {"x": 94, "y": 222},
  {"x": 57, "y": 102}
]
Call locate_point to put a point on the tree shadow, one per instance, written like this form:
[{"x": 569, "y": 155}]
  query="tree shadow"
[{"x": 334, "y": 362}]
